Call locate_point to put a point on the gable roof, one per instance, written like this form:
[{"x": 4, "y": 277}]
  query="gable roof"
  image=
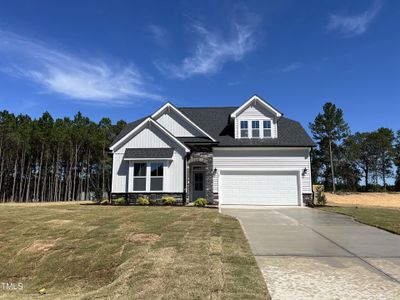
[
  {"x": 216, "y": 122},
  {"x": 259, "y": 100},
  {"x": 136, "y": 127},
  {"x": 127, "y": 128},
  {"x": 169, "y": 105}
]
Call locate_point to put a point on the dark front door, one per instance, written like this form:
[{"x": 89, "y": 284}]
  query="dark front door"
[{"x": 198, "y": 184}]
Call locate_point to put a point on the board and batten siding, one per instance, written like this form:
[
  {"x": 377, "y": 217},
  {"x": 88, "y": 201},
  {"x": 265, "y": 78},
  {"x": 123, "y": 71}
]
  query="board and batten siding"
[
  {"x": 149, "y": 137},
  {"x": 120, "y": 171},
  {"x": 178, "y": 126},
  {"x": 256, "y": 112},
  {"x": 263, "y": 159}
]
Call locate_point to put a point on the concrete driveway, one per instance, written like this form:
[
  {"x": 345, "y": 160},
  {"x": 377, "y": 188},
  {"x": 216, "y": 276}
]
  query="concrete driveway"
[{"x": 310, "y": 254}]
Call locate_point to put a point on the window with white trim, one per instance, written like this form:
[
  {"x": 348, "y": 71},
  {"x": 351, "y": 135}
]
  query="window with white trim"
[
  {"x": 139, "y": 176},
  {"x": 148, "y": 176},
  {"x": 267, "y": 132},
  {"x": 255, "y": 129},
  {"x": 244, "y": 129},
  {"x": 156, "y": 179}
]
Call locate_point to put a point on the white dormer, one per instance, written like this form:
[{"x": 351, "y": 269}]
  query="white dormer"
[{"x": 256, "y": 119}]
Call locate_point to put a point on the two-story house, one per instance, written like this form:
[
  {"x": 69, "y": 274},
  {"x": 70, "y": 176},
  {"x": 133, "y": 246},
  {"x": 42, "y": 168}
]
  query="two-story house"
[{"x": 247, "y": 155}]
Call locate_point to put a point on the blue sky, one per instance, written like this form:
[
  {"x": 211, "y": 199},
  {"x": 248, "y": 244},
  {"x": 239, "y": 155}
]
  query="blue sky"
[{"x": 122, "y": 59}]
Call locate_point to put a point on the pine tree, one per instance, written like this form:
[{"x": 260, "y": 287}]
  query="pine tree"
[
  {"x": 397, "y": 161},
  {"x": 329, "y": 129}
]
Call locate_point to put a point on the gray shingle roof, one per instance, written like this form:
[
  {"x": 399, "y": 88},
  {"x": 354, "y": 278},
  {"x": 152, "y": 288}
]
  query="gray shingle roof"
[
  {"x": 148, "y": 153},
  {"x": 215, "y": 121},
  {"x": 195, "y": 139}
]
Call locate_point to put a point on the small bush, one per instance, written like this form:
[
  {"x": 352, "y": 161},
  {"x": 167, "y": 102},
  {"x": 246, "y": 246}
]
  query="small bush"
[
  {"x": 120, "y": 201},
  {"x": 168, "y": 200},
  {"x": 98, "y": 194},
  {"x": 200, "y": 202},
  {"x": 143, "y": 200}
]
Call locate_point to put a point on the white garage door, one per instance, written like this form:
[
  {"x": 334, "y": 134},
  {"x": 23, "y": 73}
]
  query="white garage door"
[{"x": 259, "y": 188}]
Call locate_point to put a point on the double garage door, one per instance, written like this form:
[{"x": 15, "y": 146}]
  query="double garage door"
[{"x": 279, "y": 188}]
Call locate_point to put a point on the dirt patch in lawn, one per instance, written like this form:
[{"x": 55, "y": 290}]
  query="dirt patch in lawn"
[
  {"x": 40, "y": 246},
  {"x": 143, "y": 237},
  {"x": 364, "y": 199}
]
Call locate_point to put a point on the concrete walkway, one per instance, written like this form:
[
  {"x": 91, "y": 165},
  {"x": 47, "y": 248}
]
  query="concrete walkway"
[{"x": 310, "y": 254}]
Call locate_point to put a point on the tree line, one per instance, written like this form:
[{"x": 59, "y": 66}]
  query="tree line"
[
  {"x": 48, "y": 159},
  {"x": 363, "y": 161}
]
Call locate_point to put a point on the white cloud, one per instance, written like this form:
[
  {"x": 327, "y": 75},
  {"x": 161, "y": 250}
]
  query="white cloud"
[
  {"x": 158, "y": 34},
  {"x": 213, "y": 49},
  {"x": 356, "y": 24},
  {"x": 291, "y": 67},
  {"x": 75, "y": 77}
]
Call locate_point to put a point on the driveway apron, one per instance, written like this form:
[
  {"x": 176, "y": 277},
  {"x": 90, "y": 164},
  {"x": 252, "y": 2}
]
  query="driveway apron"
[{"x": 310, "y": 254}]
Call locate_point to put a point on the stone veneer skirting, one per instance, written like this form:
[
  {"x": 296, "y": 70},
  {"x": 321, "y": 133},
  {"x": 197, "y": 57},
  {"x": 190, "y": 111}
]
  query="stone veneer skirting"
[
  {"x": 132, "y": 197},
  {"x": 307, "y": 199}
]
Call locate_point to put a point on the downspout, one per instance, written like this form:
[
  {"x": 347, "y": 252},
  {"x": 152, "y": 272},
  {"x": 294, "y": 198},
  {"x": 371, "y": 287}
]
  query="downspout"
[{"x": 184, "y": 181}]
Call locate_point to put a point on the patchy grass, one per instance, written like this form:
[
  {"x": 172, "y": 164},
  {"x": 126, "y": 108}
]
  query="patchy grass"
[
  {"x": 384, "y": 218},
  {"x": 89, "y": 252}
]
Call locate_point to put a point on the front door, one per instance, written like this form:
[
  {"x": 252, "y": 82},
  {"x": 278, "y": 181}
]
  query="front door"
[{"x": 198, "y": 186}]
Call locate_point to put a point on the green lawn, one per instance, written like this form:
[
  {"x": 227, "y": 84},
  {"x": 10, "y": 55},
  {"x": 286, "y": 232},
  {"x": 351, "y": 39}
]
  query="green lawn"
[
  {"x": 89, "y": 252},
  {"x": 384, "y": 218}
]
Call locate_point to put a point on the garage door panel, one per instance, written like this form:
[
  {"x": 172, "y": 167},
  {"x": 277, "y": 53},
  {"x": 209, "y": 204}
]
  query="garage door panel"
[{"x": 259, "y": 188}]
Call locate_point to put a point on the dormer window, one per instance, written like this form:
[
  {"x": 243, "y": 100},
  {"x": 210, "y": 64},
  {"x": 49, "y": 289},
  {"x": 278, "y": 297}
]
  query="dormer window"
[
  {"x": 244, "y": 129},
  {"x": 256, "y": 119},
  {"x": 255, "y": 129},
  {"x": 267, "y": 129}
]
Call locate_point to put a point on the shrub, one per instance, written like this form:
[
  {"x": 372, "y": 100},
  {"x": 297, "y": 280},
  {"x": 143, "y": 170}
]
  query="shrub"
[
  {"x": 144, "y": 200},
  {"x": 168, "y": 200},
  {"x": 319, "y": 195},
  {"x": 98, "y": 194},
  {"x": 200, "y": 202},
  {"x": 120, "y": 201}
]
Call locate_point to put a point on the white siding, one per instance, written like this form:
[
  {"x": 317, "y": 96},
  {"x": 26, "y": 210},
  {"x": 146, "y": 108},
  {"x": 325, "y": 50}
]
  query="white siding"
[
  {"x": 259, "y": 159},
  {"x": 120, "y": 173},
  {"x": 256, "y": 112},
  {"x": 173, "y": 174},
  {"x": 149, "y": 137},
  {"x": 177, "y": 125}
]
